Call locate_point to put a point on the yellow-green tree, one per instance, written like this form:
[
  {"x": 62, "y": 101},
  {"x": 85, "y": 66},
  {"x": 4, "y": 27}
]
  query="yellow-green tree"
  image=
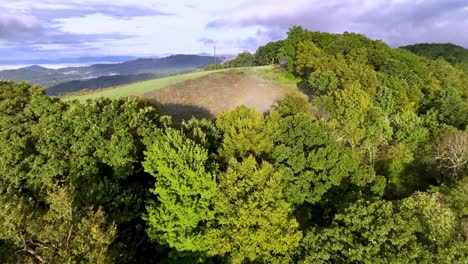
[
  {"x": 254, "y": 220},
  {"x": 184, "y": 190}
]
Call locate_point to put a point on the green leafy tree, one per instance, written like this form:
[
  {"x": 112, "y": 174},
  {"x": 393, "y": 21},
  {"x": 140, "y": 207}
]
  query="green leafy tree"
[
  {"x": 292, "y": 104},
  {"x": 244, "y": 59},
  {"x": 268, "y": 54},
  {"x": 288, "y": 50},
  {"x": 450, "y": 52},
  {"x": 204, "y": 133},
  {"x": 254, "y": 221},
  {"x": 416, "y": 229},
  {"x": 311, "y": 161},
  {"x": 323, "y": 82},
  {"x": 184, "y": 190},
  {"x": 64, "y": 233},
  {"x": 308, "y": 58},
  {"x": 244, "y": 133},
  {"x": 456, "y": 196},
  {"x": 349, "y": 113}
]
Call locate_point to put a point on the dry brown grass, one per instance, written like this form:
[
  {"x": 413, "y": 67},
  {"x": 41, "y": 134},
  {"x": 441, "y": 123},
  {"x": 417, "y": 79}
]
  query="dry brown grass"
[{"x": 211, "y": 94}]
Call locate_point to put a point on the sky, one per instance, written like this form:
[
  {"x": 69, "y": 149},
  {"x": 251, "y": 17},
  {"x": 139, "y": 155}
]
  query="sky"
[{"x": 57, "y": 29}]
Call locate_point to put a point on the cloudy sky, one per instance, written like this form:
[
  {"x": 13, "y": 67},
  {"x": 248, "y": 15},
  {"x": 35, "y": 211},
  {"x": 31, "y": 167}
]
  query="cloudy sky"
[{"x": 38, "y": 29}]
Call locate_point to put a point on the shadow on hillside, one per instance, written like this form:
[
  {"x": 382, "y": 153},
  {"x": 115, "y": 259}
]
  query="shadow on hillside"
[
  {"x": 180, "y": 112},
  {"x": 303, "y": 87}
]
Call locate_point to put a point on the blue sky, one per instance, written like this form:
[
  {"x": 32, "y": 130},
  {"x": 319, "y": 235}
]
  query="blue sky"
[{"x": 37, "y": 29}]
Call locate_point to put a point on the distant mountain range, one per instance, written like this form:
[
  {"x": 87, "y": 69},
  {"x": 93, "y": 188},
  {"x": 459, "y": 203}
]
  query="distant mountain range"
[
  {"x": 63, "y": 61},
  {"x": 100, "y": 82},
  {"x": 90, "y": 77}
]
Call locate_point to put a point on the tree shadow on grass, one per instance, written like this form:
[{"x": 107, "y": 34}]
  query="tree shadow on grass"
[{"x": 180, "y": 112}]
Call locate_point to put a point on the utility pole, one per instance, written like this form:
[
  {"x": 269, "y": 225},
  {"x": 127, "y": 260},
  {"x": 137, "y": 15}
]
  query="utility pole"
[{"x": 214, "y": 56}]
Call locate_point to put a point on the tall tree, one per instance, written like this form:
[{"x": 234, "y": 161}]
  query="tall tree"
[
  {"x": 254, "y": 221},
  {"x": 244, "y": 133},
  {"x": 268, "y": 54},
  {"x": 451, "y": 153},
  {"x": 311, "y": 161},
  {"x": 184, "y": 190}
]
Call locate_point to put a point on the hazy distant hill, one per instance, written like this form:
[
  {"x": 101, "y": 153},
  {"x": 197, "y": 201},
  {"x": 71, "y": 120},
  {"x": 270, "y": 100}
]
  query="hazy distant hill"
[
  {"x": 450, "y": 52},
  {"x": 78, "y": 60},
  {"x": 161, "y": 66},
  {"x": 98, "y": 83}
]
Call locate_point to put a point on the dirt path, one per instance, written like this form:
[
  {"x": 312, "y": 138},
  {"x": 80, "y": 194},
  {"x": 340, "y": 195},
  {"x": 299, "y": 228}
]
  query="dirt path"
[{"x": 211, "y": 94}]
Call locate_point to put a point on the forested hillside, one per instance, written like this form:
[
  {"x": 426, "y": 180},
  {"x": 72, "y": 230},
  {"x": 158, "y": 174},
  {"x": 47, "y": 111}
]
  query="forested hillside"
[
  {"x": 370, "y": 167},
  {"x": 454, "y": 54}
]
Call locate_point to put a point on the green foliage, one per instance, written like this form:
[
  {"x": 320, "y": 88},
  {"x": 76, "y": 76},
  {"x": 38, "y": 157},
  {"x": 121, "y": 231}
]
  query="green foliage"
[
  {"x": 310, "y": 160},
  {"x": 244, "y": 59},
  {"x": 308, "y": 56},
  {"x": 456, "y": 195},
  {"x": 243, "y": 134},
  {"x": 288, "y": 50},
  {"x": 292, "y": 104},
  {"x": 95, "y": 147},
  {"x": 203, "y": 132},
  {"x": 254, "y": 222},
  {"x": 378, "y": 99},
  {"x": 450, "y": 52},
  {"x": 416, "y": 229},
  {"x": 184, "y": 189},
  {"x": 323, "y": 82},
  {"x": 350, "y": 166},
  {"x": 268, "y": 54},
  {"x": 350, "y": 112},
  {"x": 64, "y": 233}
]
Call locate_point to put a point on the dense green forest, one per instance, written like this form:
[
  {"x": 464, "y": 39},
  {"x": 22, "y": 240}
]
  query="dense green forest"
[
  {"x": 454, "y": 54},
  {"x": 370, "y": 167}
]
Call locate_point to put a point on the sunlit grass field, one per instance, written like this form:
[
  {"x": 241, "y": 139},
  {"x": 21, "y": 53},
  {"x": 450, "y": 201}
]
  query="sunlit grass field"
[
  {"x": 139, "y": 88},
  {"x": 134, "y": 89}
]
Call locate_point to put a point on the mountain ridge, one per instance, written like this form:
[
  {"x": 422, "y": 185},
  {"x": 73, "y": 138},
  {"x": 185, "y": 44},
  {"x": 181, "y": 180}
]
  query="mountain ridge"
[
  {"x": 46, "y": 77},
  {"x": 450, "y": 52}
]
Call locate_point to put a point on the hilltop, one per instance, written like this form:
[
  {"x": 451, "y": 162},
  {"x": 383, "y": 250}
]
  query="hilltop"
[
  {"x": 448, "y": 51},
  {"x": 211, "y": 94},
  {"x": 205, "y": 94}
]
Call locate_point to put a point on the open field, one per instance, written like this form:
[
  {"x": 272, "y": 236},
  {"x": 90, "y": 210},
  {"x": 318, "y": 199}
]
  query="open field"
[
  {"x": 133, "y": 89},
  {"x": 211, "y": 94},
  {"x": 138, "y": 88},
  {"x": 205, "y": 94}
]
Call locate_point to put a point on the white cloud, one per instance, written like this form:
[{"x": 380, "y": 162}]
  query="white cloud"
[
  {"x": 145, "y": 28},
  {"x": 396, "y": 22}
]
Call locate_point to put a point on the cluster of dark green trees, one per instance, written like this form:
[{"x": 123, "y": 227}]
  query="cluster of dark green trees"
[
  {"x": 371, "y": 167},
  {"x": 265, "y": 55},
  {"x": 456, "y": 55}
]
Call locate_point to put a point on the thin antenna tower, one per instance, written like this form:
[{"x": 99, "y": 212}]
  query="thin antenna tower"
[{"x": 214, "y": 55}]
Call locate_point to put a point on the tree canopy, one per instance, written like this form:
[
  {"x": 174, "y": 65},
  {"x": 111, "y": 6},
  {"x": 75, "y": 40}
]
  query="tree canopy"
[{"x": 366, "y": 163}]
